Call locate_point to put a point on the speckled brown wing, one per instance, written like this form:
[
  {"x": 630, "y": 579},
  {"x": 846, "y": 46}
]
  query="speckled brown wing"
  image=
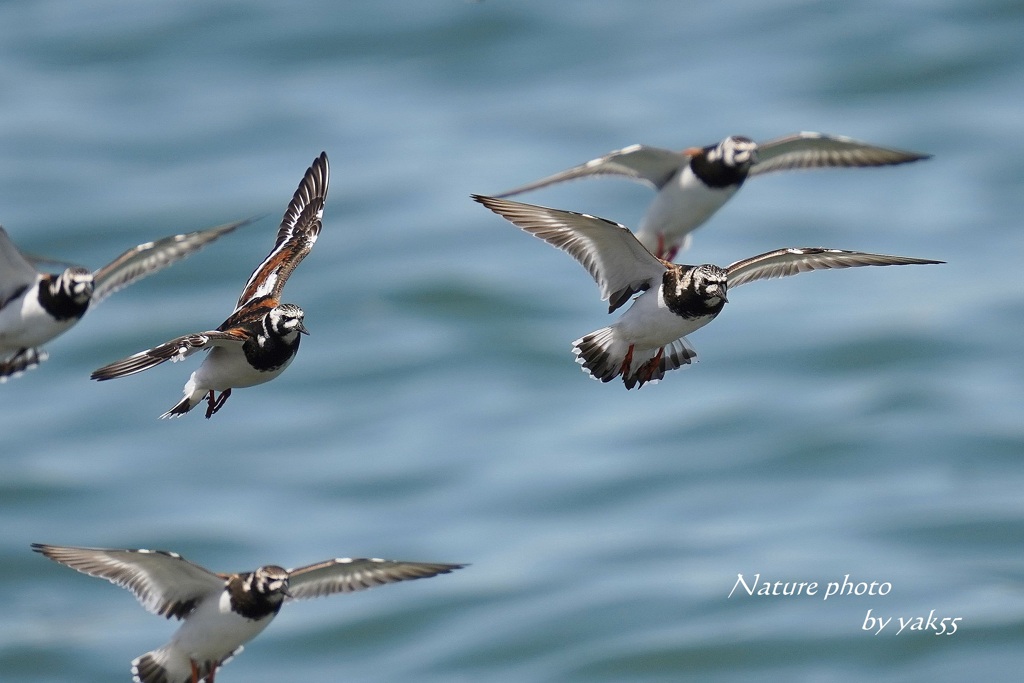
[
  {"x": 298, "y": 232},
  {"x": 174, "y": 350},
  {"x": 163, "y": 582}
]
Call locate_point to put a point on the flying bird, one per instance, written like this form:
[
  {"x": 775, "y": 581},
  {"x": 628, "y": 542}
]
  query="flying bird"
[
  {"x": 221, "y": 612},
  {"x": 649, "y": 339},
  {"x": 693, "y": 184},
  {"x": 36, "y": 307},
  {"x": 261, "y": 337}
]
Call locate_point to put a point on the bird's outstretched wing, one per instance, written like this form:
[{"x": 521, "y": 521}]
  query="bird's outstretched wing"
[
  {"x": 619, "y": 264},
  {"x": 345, "y": 575},
  {"x": 785, "y": 262},
  {"x": 174, "y": 350},
  {"x": 818, "y": 150},
  {"x": 649, "y": 165},
  {"x": 163, "y": 582},
  {"x": 152, "y": 257},
  {"x": 16, "y": 273},
  {"x": 295, "y": 238}
]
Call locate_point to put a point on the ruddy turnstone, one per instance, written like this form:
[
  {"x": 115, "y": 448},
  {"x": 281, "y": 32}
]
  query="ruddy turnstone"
[
  {"x": 259, "y": 340},
  {"x": 36, "y": 307},
  {"x": 693, "y": 184},
  {"x": 649, "y": 339},
  {"x": 221, "y": 612}
]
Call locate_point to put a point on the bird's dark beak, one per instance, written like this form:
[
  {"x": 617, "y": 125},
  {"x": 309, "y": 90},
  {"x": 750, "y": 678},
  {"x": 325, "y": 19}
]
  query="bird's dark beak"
[{"x": 302, "y": 328}]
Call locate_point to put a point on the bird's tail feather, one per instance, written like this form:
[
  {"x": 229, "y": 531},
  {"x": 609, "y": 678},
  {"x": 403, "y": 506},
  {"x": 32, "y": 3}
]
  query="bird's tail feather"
[{"x": 605, "y": 357}]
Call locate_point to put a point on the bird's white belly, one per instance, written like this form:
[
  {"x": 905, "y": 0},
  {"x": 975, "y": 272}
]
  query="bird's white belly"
[
  {"x": 227, "y": 368},
  {"x": 680, "y": 207},
  {"x": 25, "y": 324},
  {"x": 649, "y": 324},
  {"x": 213, "y": 631}
]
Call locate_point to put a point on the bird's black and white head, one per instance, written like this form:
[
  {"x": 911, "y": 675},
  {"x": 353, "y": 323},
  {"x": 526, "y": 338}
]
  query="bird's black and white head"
[
  {"x": 695, "y": 291},
  {"x": 269, "y": 582},
  {"x": 710, "y": 283},
  {"x": 285, "y": 320},
  {"x": 74, "y": 284},
  {"x": 735, "y": 151},
  {"x": 725, "y": 165}
]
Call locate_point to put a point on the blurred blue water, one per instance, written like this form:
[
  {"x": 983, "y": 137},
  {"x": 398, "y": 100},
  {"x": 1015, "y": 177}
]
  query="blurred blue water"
[{"x": 862, "y": 422}]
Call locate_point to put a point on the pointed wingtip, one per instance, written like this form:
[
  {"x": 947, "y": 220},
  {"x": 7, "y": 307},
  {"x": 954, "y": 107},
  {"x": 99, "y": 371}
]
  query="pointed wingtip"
[
  {"x": 491, "y": 202},
  {"x": 910, "y": 156},
  {"x": 246, "y": 221}
]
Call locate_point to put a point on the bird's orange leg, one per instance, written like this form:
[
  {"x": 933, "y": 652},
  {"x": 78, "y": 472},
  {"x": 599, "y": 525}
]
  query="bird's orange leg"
[
  {"x": 214, "y": 406},
  {"x": 651, "y": 366},
  {"x": 627, "y": 362}
]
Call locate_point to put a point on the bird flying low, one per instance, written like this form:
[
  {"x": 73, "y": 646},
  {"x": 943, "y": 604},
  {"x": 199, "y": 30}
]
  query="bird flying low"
[
  {"x": 36, "y": 307},
  {"x": 221, "y": 612},
  {"x": 261, "y": 337},
  {"x": 649, "y": 339},
  {"x": 693, "y": 184}
]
